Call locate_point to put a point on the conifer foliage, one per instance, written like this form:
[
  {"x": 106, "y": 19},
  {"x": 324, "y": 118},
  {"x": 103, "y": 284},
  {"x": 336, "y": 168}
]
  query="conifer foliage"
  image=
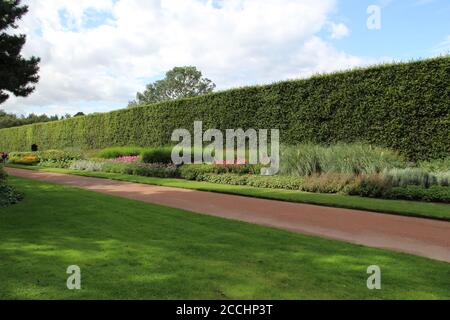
[{"x": 17, "y": 74}]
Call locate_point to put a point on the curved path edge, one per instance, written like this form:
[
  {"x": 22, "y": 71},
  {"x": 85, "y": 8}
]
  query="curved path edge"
[{"x": 419, "y": 236}]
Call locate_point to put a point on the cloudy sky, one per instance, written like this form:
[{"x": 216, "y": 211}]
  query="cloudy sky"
[{"x": 97, "y": 53}]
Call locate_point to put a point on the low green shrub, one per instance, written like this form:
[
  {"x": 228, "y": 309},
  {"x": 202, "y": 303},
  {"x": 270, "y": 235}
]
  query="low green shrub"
[
  {"x": 374, "y": 186},
  {"x": 157, "y": 155},
  {"x": 141, "y": 169},
  {"x": 55, "y": 155},
  {"x": 8, "y": 195},
  {"x": 324, "y": 184},
  {"x": 226, "y": 178},
  {"x": 154, "y": 170},
  {"x": 195, "y": 171},
  {"x": 130, "y": 168},
  {"x": 57, "y": 158},
  {"x": 432, "y": 194},
  {"x": 309, "y": 159},
  {"x": 3, "y": 175},
  {"x": 116, "y": 167},
  {"x": 275, "y": 182},
  {"x": 254, "y": 169},
  {"x": 258, "y": 181},
  {"x": 115, "y": 152}
]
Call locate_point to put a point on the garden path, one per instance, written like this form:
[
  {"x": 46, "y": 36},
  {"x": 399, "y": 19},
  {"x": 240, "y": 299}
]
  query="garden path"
[{"x": 423, "y": 237}]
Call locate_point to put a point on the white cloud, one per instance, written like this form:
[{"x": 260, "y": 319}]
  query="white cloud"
[
  {"x": 442, "y": 48},
  {"x": 338, "y": 30},
  {"x": 234, "y": 42}
]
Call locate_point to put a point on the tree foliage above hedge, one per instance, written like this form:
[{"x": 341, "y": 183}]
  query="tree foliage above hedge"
[
  {"x": 402, "y": 106},
  {"x": 180, "y": 82}
]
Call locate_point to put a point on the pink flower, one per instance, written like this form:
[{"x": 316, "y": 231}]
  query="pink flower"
[{"x": 128, "y": 159}]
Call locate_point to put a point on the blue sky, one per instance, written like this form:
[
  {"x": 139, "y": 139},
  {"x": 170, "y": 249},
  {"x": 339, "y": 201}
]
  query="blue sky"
[
  {"x": 410, "y": 28},
  {"x": 97, "y": 54}
]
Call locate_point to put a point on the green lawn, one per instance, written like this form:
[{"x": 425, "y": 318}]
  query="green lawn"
[
  {"x": 133, "y": 250},
  {"x": 439, "y": 211}
]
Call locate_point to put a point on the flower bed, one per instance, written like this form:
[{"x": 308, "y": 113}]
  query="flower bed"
[
  {"x": 353, "y": 169},
  {"x": 128, "y": 159},
  {"x": 24, "y": 158}
]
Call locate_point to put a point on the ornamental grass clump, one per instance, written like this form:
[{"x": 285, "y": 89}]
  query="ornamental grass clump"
[
  {"x": 87, "y": 165},
  {"x": 355, "y": 158},
  {"x": 416, "y": 177}
]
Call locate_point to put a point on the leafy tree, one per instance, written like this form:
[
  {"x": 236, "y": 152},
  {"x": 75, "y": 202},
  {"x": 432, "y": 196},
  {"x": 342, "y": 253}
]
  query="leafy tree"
[
  {"x": 180, "y": 82},
  {"x": 17, "y": 74},
  {"x": 8, "y": 120}
]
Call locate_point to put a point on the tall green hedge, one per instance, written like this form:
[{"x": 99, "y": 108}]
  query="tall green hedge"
[{"x": 403, "y": 106}]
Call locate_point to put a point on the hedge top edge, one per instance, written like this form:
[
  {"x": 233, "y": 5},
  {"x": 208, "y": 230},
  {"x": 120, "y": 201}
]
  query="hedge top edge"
[{"x": 260, "y": 86}]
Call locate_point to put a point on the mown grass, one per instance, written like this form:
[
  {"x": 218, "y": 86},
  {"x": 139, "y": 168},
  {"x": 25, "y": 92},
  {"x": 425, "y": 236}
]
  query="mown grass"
[
  {"x": 132, "y": 250},
  {"x": 401, "y": 207}
]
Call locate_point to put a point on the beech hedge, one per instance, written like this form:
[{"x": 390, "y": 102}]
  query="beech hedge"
[{"x": 404, "y": 106}]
